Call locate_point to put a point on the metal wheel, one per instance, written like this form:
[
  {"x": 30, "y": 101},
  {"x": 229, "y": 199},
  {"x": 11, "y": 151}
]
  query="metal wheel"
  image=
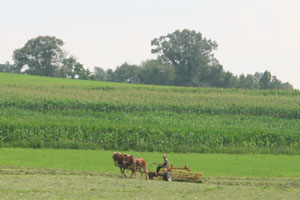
[{"x": 168, "y": 176}]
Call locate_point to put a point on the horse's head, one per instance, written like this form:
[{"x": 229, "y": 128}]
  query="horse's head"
[
  {"x": 127, "y": 158},
  {"x": 116, "y": 156}
]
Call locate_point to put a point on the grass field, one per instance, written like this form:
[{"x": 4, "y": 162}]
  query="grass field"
[
  {"x": 32, "y": 186},
  {"x": 229, "y": 165},
  {"x": 90, "y": 174}
]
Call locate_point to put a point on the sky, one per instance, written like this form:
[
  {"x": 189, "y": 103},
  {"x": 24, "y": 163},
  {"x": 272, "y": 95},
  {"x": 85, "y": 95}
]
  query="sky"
[{"x": 253, "y": 35}]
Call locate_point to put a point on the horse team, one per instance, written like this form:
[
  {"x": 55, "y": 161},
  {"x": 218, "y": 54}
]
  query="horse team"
[{"x": 126, "y": 161}]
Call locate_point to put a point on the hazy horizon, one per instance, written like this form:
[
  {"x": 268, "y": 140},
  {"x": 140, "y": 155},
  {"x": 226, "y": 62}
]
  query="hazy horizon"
[{"x": 253, "y": 36}]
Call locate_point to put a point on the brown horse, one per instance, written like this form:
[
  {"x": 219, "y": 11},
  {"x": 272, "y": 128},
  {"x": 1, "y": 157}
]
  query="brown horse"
[
  {"x": 119, "y": 161},
  {"x": 126, "y": 161},
  {"x": 136, "y": 164}
]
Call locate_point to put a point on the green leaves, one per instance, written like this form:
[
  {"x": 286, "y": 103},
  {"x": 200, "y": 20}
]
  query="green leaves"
[
  {"x": 45, "y": 56},
  {"x": 41, "y": 55},
  {"x": 188, "y": 52}
]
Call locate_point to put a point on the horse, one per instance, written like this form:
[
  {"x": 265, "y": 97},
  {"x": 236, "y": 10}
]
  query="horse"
[
  {"x": 136, "y": 164},
  {"x": 119, "y": 161},
  {"x": 126, "y": 161}
]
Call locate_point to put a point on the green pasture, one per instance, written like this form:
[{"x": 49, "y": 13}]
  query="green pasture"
[{"x": 228, "y": 165}]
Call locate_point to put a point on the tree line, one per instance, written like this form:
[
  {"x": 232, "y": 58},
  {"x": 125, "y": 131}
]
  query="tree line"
[{"x": 184, "y": 58}]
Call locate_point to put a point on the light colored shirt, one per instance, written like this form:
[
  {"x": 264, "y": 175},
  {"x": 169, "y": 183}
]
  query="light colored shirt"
[{"x": 166, "y": 161}]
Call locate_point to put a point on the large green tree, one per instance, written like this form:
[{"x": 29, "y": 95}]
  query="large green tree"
[
  {"x": 42, "y": 55},
  {"x": 189, "y": 52}
]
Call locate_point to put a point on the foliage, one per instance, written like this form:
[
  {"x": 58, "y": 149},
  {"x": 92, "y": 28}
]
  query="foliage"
[
  {"x": 71, "y": 68},
  {"x": 45, "y": 56},
  {"x": 184, "y": 58},
  {"x": 155, "y": 73},
  {"x": 99, "y": 74},
  {"x": 126, "y": 73},
  {"x": 42, "y": 56},
  {"x": 189, "y": 53},
  {"x": 8, "y": 68}
]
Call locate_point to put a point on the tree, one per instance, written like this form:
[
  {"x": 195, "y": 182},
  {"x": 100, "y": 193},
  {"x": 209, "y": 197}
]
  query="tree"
[
  {"x": 8, "y": 68},
  {"x": 71, "y": 68},
  {"x": 277, "y": 84},
  {"x": 247, "y": 82},
  {"x": 40, "y": 56},
  {"x": 110, "y": 75},
  {"x": 67, "y": 68},
  {"x": 126, "y": 73},
  {"x": 230, "y": 81},
  {"x": 188, "y": 52},
  {"x": 99, "y": 74},
  {"x": 79, "y": 72},
  {"x": 265, "y": 80},
  {"x": 211, "y": 76},
  {"x": 154, "y": 72}
]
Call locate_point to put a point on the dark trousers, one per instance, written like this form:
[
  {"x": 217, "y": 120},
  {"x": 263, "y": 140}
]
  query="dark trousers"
[{"x": 159, "y": 167}]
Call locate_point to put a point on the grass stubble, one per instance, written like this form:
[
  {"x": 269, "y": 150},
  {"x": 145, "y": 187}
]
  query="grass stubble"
[
  {"x": 41, "y": 183},
  {"x": 90, "y": 174}
]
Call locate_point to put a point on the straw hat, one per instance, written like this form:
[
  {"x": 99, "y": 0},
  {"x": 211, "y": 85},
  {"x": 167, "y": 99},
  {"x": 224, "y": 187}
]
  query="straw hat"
[{"x": 164, "y": 156}]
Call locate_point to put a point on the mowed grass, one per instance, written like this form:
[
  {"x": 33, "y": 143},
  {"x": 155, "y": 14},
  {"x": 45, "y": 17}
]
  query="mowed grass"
[
  {"x": 91, "y": 174},
  {"x": 102, "y": 187},
  {"x": 227, "y": 165}
]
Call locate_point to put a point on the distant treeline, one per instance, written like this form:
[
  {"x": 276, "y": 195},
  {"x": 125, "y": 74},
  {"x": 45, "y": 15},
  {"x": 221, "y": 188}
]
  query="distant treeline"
[
  {"x": 184, "y": 58},
  {"x": 155, "y": 73}
]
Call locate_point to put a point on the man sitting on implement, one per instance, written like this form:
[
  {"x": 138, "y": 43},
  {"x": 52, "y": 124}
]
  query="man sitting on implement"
[{"x": 162, "y": 165}]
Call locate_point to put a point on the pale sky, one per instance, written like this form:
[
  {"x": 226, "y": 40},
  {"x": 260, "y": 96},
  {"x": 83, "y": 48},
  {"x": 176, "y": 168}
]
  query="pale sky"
[{"x": 253, "y": 35}]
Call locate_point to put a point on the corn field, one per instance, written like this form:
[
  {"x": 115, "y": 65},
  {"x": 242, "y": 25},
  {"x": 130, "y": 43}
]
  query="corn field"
[{"x": 42, "y": 112}]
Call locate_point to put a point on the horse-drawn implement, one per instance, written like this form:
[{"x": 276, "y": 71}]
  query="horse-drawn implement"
[
  {"x": 169, "y": 173},
  {"x": 176, "y": 174}
]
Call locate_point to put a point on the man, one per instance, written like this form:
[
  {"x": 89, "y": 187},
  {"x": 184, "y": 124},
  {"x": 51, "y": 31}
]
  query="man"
[{"x": 162, "y": 165}]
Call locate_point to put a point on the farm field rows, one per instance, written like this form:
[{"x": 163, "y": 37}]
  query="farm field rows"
[
  {"x": 60, "y": 113},
  {"x": 74, "y": 127}
]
